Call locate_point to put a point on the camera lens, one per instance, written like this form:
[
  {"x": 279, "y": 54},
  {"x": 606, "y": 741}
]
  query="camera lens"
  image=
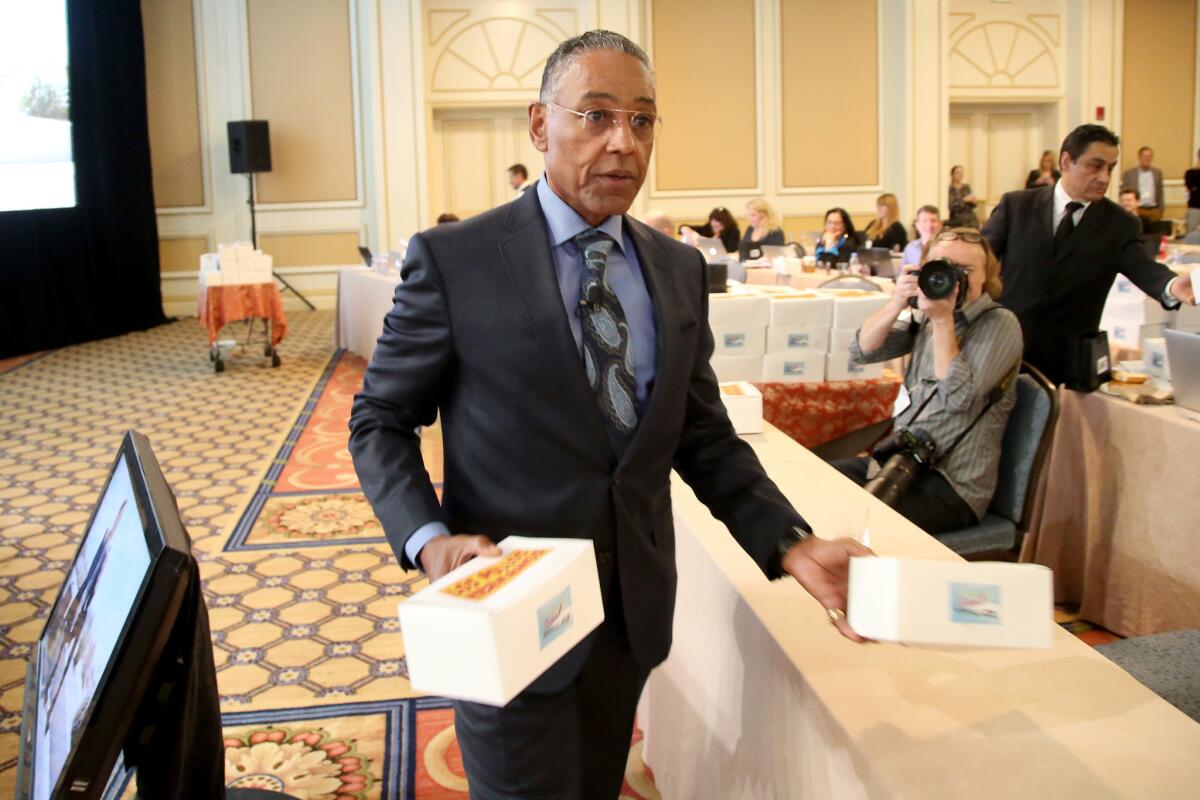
[{"x": 937, "y": 279}]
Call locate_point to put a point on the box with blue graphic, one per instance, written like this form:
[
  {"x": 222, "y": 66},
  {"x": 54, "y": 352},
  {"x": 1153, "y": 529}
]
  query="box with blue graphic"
[
  {"x": 981, "y": 604},
  {"x": 488, "y": 629}
]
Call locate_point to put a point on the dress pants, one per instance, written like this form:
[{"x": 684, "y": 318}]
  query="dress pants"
[
  {"x": 567, "y": 745},
  {"x": 930, "y": 503}
]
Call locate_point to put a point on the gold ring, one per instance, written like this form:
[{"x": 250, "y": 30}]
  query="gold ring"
[{"x": 835, "y": 614}]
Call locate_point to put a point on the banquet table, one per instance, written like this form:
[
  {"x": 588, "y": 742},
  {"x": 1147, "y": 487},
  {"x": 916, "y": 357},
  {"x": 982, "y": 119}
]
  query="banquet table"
[
  {"x": 762, "y": 698},
  {"x": 218, "y": 306},
  {"x": 364, "y": 298},
  {"x": 1115, "y": 516},
  {"x": 813, "y": 414}
]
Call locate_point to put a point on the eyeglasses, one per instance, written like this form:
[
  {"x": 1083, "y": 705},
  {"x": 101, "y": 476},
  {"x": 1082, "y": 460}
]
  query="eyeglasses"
[
  {"x": 601, "y": 121},
  {"x": 968, "y": 236}
]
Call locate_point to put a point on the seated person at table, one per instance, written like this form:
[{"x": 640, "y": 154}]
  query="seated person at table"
[
  {"x": 886, "y": 230},
  {"x": 839, "y": 239},
  {"x": 721, "y": 225},
  {"x": 960, "y": 382},
  {"x": 1046, "y": 174},
  {"x": 1129, "y": 201},
  {"x": 928, "y": 224},
  {"x": 764, "y": 228}
]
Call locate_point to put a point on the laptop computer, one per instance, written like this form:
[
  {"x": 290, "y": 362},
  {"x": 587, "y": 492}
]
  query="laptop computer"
[
  {"x": 772, "y": 251},
  {"x": 711, "y": 247},
  {"x": 365, "y": 252},
  {"x": 1183, "y": 354},
  {"x": 878, "y": 259}
]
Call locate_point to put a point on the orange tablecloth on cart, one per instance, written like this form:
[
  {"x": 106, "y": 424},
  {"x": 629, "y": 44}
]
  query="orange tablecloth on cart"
[
  {"x": 219, "y": 305},
  {"x": 815, "y": 413}
]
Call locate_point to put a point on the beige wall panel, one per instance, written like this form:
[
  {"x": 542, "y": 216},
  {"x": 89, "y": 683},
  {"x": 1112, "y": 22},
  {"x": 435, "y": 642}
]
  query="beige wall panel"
[
  {"x": 181, "y": 255},
  {"x": 1159, "y": 84},
  {"x": 1008, "y": 154},
  {"x": 705, "y": 95},
  {"x": 301, "y": 82},
  {"x": 173, "y": 103},
  {"x": 311, "y": 249},
  {"x": 470, "y": 173},
  {"x": 830, "y": 88}
]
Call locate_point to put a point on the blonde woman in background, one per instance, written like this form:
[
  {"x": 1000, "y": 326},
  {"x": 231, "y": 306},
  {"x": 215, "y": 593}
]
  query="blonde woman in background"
[
  {"x": 886, "y": 230},
  {"x": 764, "y": 228}
]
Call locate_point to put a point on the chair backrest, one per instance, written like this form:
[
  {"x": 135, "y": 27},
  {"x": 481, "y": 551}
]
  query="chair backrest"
[
  {"x": 851, "y": 282},
  {"x": 1023, "y": 451}
]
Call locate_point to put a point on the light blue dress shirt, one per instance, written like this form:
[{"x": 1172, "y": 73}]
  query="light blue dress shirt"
[
  {"x": 912, "y": 252},
  {"x": 623, "y": 274}
]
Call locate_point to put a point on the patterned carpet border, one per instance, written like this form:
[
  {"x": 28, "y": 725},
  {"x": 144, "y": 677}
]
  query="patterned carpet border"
[{"x": 237, "y": 541}]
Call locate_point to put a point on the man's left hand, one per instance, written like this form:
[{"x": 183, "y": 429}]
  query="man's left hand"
[
  {"x": 822, "y": 567},
  {"x": 1183, "y": 291}
]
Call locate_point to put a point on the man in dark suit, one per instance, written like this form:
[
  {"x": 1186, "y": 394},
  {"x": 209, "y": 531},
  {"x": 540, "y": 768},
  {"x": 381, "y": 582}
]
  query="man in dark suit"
[
  {"x": 566, "y": 347},
  {"x": 1063, "y": 245},
  {"x": 1147, "y": 180}
]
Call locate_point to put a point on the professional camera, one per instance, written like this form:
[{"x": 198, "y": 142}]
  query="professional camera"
[
  {"x": 903, "y": 455},
  {"x": 937, "y": 280}
]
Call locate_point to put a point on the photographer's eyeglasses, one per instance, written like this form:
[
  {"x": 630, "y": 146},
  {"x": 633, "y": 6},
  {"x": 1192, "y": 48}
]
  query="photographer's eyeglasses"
[
  {"x": 643, "y": 125},
  {"x": 968, "y": 236}
]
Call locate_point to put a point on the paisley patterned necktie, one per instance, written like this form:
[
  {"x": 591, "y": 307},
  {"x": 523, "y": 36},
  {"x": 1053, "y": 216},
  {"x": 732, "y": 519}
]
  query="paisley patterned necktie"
[{"x": 607, "y": 353}]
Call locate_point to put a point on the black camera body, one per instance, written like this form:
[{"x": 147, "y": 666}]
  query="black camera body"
[
  {"x": 904, "y": 455},
  {"x": 937, "y": 280}
]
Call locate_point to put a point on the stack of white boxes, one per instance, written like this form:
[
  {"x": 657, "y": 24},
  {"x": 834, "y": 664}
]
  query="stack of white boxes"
[
  {"x": 739, "y": 321},
  {"x": 851, "y": 309},
  {"x": 235, "y": 264},
  {"x": 778, "y": 334},
  {"x": 1130, "y": 316}
]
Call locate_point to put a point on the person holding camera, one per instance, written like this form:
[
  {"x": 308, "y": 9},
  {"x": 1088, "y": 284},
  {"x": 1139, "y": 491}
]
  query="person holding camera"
[{"x": 938, "y": 468}]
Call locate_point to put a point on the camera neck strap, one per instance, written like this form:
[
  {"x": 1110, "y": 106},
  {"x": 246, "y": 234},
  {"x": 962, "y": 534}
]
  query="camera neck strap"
[{"x": 994, "y": 396}]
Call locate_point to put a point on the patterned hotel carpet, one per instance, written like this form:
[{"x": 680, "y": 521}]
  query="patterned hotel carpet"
[{"x": 301, "y": 589}]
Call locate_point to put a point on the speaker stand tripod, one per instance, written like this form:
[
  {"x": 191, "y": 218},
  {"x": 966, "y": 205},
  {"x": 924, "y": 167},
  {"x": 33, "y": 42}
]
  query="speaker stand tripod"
[{"x": 254, "y": 240}]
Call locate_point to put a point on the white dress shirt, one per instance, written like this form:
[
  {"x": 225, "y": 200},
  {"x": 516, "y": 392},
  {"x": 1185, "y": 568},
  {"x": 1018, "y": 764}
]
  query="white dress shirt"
[{"x": 1146, "y": 198}]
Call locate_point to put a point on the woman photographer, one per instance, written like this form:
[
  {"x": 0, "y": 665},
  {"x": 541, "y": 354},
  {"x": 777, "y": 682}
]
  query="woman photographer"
[{"x": 960, "y": 383}]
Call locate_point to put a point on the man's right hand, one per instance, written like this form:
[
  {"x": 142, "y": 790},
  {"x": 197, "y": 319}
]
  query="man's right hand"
[{"x": 443, "y": 553}]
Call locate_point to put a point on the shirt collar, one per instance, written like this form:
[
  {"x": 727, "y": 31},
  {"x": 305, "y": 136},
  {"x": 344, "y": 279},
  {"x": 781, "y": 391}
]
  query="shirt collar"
[
  {"x": 564, "y": 222},
  {"x": 1061, "y": 198},
  {"x": 971, "y": 311}
]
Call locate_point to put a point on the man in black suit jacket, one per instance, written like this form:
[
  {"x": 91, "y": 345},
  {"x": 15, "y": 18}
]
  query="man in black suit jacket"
[
  {"x": 1063, "y": 245},
  {"x": 495, "y": 327}
]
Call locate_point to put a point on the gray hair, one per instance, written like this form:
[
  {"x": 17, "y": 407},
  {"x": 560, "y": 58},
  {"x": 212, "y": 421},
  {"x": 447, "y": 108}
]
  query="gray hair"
[{"x": 569, "y": 50}]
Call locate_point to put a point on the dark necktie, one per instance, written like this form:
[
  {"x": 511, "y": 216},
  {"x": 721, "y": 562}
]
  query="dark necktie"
[
  {"x": 607, "y": 355},
  {"x": 1066, "y": 227}
]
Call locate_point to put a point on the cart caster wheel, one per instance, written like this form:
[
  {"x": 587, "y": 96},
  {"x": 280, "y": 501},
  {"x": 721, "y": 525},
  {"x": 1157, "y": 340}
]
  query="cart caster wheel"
[
  {"x": 218, "y": 365},
  {"x": 275, "y": 359},
  {"x": 267, "y": 350},
  {"x": 212, "y": 355}
]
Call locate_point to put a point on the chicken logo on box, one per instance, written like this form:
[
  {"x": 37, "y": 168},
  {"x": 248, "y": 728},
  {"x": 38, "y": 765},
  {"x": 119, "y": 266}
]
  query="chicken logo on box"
[{"x": 554, "y": 617}]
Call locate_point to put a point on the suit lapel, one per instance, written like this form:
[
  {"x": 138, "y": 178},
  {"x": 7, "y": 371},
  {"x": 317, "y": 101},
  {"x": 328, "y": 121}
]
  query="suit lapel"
[
  {"x": 526, "y": 256},
  {"x": 1089, "y": 223},
  {"x": 656, "y": 271}
]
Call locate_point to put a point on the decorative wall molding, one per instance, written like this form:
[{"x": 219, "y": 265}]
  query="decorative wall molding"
[{"x": 1011, "y": 50}]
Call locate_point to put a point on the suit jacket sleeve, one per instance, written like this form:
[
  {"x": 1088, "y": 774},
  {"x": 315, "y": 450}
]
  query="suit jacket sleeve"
[
  {"x": 400, "y": 393},
  {"x": 1129, "y": 180},
  {"x": 996, "y": 228},
  {"x": 721, "y": 468},
  {"x": 1134, "y": 263}
]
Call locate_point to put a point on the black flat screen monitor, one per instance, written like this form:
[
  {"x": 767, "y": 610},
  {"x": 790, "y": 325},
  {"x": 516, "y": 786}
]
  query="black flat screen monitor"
[{"x": 106, "y": 632}]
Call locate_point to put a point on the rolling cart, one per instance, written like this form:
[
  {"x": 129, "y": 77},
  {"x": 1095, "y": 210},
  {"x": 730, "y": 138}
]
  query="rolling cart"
[{"x": 221, "y": 306}]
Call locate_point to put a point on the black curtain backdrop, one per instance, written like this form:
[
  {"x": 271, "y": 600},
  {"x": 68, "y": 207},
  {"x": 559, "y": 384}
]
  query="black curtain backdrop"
[{"x": 76, "y": 274}]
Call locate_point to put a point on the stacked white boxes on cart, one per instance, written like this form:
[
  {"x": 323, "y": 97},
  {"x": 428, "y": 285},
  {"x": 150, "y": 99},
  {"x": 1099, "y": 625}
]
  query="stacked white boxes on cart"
[
  {"x": 776, "y": 334},
  {"x": 234, "y": 265},
  {"x": 1133, "y": 320}
]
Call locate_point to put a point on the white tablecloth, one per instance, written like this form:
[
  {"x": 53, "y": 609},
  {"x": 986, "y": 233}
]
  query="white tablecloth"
[
  {"x": 364, "y": 298},
  {"x": 761, "y": 698}
]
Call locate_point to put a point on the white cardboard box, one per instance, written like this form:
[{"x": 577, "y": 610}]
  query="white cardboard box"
[
  {"x": 738, "y": 309},
  {"x": 790, "y": 338},
  {"x": 738, "y": 340},
  {"x": 807, "y": 309},
  {"x": 840, "y": 367},
  {"x": 488, "y": 629},
  {"x": 1154, "y": 358},
  {"x": 737, "y": 368},
  {"x": 800, "y": 366},
  {"x": 840, "y": 340},
  {"x": 851, "y": 308},
  {"x": 982, "y": 604},
  {"x": 743, "y": 403}
]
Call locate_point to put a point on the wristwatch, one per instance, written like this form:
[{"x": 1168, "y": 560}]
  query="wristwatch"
[{"x": 775, "y": 563}]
